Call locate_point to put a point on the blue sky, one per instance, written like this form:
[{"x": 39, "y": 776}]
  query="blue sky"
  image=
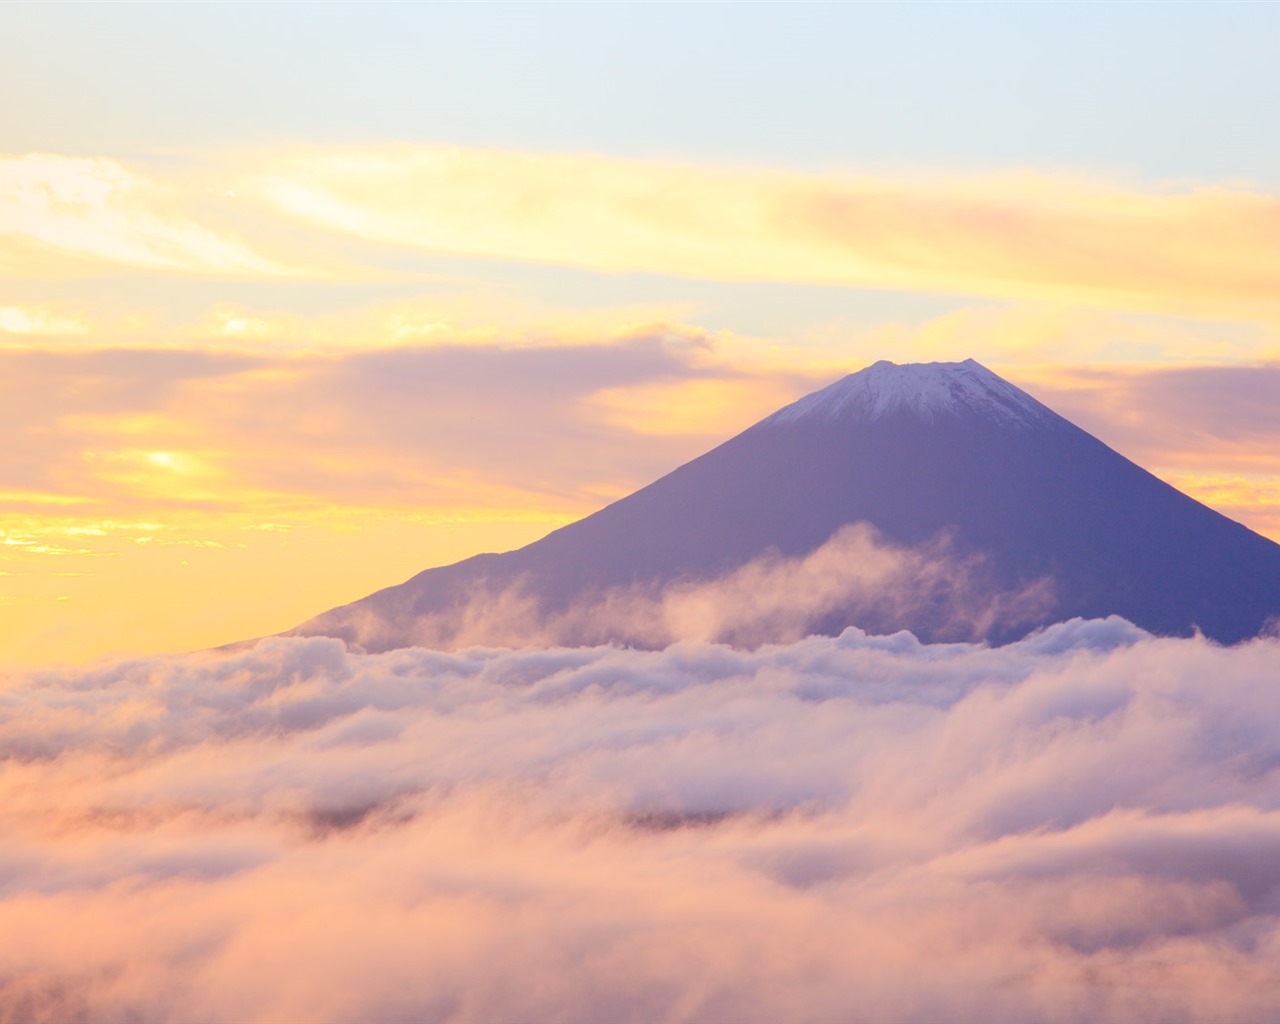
[{"x": 1157, "y": 90}]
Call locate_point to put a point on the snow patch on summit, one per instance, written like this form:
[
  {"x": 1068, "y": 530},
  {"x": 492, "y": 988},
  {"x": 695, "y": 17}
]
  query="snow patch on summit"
[{"x": 924, "y": 389}]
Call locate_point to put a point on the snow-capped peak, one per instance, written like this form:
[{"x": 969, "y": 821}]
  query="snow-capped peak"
[{"x": 925, "y": 389}]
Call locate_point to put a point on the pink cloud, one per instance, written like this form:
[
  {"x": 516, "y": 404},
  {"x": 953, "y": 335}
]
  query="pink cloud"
[{"x": 1082, "y": 825}]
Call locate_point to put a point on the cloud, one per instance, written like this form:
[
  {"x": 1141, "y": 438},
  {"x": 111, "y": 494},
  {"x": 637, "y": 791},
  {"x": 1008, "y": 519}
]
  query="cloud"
[
  {"x": 351, "y": 214},
  {"x": 37, "y": 320},
  {"x": 568, "y": 425},
  {"x": 1015, "y": 234},
  {"x": 1209, "y": 430},
  {"x": 855, "y": 576},
  {"x": 442, "y": 425},
  {"x": 1226, "y": 416},
  {"x": 1080, "y": 826},
  {"x": 64, "y": 216}
]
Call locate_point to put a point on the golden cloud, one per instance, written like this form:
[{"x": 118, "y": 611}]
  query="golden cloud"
[
  {"x": 1024, "y": 235},
  {"x": 65, "y": 217},
  {"x": 1198, "y": 250},
  {"x": 40, "y": 320}
]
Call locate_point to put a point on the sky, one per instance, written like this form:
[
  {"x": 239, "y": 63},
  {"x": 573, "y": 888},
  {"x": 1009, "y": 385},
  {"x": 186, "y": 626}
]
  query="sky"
[{"x": 298, "y": 300}]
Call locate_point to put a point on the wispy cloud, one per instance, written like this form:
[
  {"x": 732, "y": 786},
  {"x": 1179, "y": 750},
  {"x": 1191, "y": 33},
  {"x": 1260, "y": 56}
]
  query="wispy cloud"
[
  {"x": 855, "y": 576},
  {"x": 1202, "y": 250},
  {"x": 407, "y": 425},
  {"x": 1079, "y": 826},
  {"x": 40, "y": 321},
  {"x": 1226, "y": 415},
  {"x": 66, "y": 217},
  {"x": 1017, "y": 234}
]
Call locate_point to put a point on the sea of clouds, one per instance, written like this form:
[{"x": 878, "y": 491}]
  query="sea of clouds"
[{"x": 1081, "y": 826}]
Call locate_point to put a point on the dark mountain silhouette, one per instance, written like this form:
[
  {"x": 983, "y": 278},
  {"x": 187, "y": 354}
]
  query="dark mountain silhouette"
[{"x": 950, "y": 465}]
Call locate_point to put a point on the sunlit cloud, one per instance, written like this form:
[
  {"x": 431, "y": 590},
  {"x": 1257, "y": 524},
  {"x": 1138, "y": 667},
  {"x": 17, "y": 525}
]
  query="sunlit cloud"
[
  {"x": 19, "y": 498},
  {"x": 36, "y": 320},
  {"x": 65, "y": 216},
  {"x": 407, "y": 427},
  {"x": 1082, "y": 825},
  {"x": 1019, "y": 234},
  {"x": 1208, "y": 417},
  {"x": 1252, "y": 498},
  {"x": 1200, "y": 250}
]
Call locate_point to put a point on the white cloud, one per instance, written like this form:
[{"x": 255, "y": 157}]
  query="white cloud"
[
  {"x": 856, "y": 575},
  {"x": 1080, "y": 826},
  {"x": 39, "y": 320},
  {"x": 62, "y": 215},
  {"x": 1015, "y": 235}
]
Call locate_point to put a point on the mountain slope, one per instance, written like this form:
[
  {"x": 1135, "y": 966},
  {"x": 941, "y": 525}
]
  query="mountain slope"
[{"x": 946, "y": 461}]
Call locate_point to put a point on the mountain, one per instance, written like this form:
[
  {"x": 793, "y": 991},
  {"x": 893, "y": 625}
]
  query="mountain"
[{"x": 934, "y": 497}]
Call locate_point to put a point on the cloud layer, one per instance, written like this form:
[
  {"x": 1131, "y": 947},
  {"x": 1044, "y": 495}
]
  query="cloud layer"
[{"x": 1081, "y": 826}]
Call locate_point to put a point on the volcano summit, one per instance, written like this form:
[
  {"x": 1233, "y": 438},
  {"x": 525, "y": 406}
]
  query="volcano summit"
[{"x": 933, "y": 497}]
